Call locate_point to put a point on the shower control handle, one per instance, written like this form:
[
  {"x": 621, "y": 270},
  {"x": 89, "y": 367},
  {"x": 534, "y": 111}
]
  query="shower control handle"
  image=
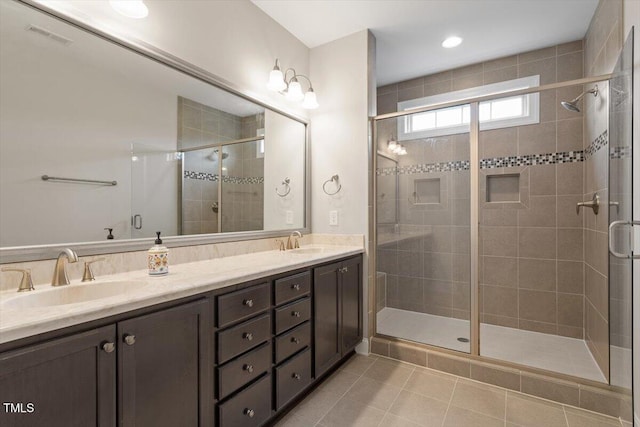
[{"x": 593, "y": 204}]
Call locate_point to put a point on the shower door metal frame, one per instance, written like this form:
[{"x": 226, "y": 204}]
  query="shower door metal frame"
[{"x": 474, "y": 134}]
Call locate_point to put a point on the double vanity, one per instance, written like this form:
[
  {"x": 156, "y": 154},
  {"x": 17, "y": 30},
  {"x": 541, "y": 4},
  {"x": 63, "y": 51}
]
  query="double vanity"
[{"x": 232, "y": 341}]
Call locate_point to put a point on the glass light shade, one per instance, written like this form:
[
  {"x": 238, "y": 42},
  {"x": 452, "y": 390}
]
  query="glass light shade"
[
  {"x": 276, "y": 81},
  {"x": 294, "y": 93},
  {"x": 392, "y": 145},
  {"x": 135, "y": 9},
  {"x": 402, "y": 151},
  {"x": 310, "y": 101}
]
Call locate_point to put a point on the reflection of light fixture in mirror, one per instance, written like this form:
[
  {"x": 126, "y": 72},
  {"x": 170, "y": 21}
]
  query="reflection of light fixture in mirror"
[
  {"x": 292, "y": 88},
  {"x": 396, "y": 148},
  {"x": 135, "y": 9}
]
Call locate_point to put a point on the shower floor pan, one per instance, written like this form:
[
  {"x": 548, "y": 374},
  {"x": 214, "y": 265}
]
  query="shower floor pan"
[{"x": 551, "y": 352}]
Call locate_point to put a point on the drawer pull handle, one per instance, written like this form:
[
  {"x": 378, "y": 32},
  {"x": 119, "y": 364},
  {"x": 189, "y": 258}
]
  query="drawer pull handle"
[
  {"x": 249, "y": 412},
  {"x": 295, "y": 340},
  {"x": 296, "y": 377},
  {"x": 295, "y": 313},
  {"x": 247, "y": 336},
  {"x": 295, "y": 287},
  {"x": 248, "y": 368},
  {"x": 129, "y": 339},
  {"x": 108, "y": 347},
  {"x": 248, "y": 303}
]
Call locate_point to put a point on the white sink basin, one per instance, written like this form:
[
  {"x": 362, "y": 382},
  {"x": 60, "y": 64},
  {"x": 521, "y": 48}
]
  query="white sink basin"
[
  {"x": 70, "y": 294},
  {"x": 309, "y": 250}
]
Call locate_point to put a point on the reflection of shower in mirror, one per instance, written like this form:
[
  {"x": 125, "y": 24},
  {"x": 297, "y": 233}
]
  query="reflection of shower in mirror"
[{"x": 214, "y": 155}]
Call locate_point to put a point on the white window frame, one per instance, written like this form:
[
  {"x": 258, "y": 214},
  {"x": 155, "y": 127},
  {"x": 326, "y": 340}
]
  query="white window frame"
[{"x": 531, "y": 113}]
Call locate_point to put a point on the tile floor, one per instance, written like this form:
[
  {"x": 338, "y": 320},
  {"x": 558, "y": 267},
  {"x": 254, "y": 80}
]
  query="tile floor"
[
  {"x": 372, "y": 391},
  {"x": 552, "y": 352}
]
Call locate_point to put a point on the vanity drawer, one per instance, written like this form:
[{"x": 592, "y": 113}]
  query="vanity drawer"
[
  {"x": 249, "y": 408},
  {"x": 243, "y": 370},
  {"x": 242, "y": 304},
  {"x": 292, "y": 314},
  {"x": 243, "y": 337},
  {"x": 292, "y": 377},
  {"x": 292, "y": 287},
  {"x": 293, "y": 341}
]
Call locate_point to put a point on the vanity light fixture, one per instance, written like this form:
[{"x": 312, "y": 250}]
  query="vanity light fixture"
[
  {"x": 291, "y": 87},
  {"x": 135, "y": 9},
  {"x": 452, "y": 41},
  {"x": 396, "y": 148}
]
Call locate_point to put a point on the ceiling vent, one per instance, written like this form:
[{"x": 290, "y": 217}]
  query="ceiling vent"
[{"x": 53, "y": 36}]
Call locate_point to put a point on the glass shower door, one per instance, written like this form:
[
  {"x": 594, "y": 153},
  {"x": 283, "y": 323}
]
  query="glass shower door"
[
  {"x": 621, "y": 250},
  {"x": 423, "y": 233}
]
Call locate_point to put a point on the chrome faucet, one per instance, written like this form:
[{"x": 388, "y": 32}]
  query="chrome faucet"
[
  {"x": 60, "y": 277},
  {"x": 295, "y": 243}
]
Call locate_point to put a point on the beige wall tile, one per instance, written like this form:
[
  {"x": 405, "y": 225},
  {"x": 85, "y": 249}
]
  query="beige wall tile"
[
  {"x": 537, "y": 305},
  {"x": 571, "y": 277},
  {"x": 536, "y": 55},
  {"x": 537, "y": 274},
  {"x": 537, "y": 242}
]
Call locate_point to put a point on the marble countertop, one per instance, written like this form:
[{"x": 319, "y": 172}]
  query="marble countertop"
[{"x": 182, "y": 281}]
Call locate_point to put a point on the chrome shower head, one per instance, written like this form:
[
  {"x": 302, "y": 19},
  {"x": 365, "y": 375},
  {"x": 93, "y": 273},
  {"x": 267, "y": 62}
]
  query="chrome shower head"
[
  {"x": 573, "y": 104},
  {"x": 214, "y": 155}
]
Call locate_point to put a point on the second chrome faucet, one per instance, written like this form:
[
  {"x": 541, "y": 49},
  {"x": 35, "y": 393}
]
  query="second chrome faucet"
[{"x": 60, "y": 277}]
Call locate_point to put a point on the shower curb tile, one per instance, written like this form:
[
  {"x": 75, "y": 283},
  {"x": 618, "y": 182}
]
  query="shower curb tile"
[
  {"x": 451, "y": 364},
  {"x": 408, "y": 354},
  {"x": 601, "y": 401},
  {"x": 379, "y": 346},
  {"x": 502, "y": 377},
  {"x": 556, "y": 390}
]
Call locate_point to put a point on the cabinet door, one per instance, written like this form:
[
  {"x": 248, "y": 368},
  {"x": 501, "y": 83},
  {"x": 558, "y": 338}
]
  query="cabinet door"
[
  {"x": 326, "y": 303},
  {"x": 351, "y": 296},
  {"x": 164, "y": 375},
  {"x": 69, "y": 381}
]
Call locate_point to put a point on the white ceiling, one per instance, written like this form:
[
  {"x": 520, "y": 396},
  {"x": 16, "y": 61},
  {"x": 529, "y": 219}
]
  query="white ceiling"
[{"x": 409, "y": 33}]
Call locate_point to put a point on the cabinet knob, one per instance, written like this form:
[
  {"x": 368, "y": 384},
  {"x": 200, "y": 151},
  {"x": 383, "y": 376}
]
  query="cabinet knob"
[
  {"x": 295, "y": 313},
  {"x": 249, "y": 412},
  {"x": 346, "y": 269},
  {"x": 248, "y": 368},
  {"x": 295, "y": 340},
  {"x": 295, "y": 287},
  {"x": 108, "y": 347},
  {"x": 129, "y": 339},
  {"x": 247, "y": 336},
  {"x": 296, "y": 377},
  {"x": 248, "y": 303}
]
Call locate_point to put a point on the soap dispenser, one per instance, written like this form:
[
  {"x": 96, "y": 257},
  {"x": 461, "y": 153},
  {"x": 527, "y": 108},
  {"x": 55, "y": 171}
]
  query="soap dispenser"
[{"x": 158, "y": 257}]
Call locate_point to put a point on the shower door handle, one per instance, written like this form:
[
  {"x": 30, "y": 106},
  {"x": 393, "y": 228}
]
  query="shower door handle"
[
  {"x": 612, "y": 227},
  {"x": 136, "y": 221}
]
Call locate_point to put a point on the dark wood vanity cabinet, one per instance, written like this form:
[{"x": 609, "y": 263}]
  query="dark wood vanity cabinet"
[
  {"x": 231, "y": 358},
  {"x": 337, "y": 293},
  {"x": 151, "y": 365},
  {"x": 65, "y": 382},
  {"x": 162, "y": 357}
]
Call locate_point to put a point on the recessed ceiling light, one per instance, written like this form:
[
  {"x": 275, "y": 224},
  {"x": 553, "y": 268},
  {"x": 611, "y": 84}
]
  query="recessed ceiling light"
[
  {"x": 135, "y": 9},
  {"x": 450, "y": 42}
]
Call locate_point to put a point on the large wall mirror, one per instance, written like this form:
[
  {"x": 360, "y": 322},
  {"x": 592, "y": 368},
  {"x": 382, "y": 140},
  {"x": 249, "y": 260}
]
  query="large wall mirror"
[{"x": 131, "y": 144}]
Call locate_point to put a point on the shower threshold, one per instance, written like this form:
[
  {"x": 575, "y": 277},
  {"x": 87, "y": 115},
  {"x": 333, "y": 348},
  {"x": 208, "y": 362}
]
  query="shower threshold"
[{"x": 545, "y": 351}]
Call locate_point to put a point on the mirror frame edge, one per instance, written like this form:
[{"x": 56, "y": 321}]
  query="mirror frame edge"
[{"x": 50, "y": 251}]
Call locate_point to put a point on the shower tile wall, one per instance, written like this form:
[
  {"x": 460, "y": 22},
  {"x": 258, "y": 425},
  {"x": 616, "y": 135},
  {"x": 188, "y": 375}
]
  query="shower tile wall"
[
  {"x": 201, "y": 125},
  {"x": 531, "y": 265},
  {"x": 603, "y": 43}
]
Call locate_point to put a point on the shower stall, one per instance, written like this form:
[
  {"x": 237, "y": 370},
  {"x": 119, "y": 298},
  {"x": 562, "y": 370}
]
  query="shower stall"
[{"x": 502, "y": 224}]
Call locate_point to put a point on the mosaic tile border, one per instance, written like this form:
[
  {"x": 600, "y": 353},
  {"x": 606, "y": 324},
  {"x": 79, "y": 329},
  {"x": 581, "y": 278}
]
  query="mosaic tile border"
[
  {"x": 511, "y": 161},
  {"x": 620, "y": 153},
  {"x": 213, "y": 177}
]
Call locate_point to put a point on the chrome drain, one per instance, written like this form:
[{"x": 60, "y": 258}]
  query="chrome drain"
[{"x": 461, "y": 339}]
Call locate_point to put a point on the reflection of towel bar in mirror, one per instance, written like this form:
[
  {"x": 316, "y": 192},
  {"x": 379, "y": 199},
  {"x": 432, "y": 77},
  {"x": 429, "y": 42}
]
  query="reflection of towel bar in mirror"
[
  {"x": 287, "y": 190},
  {"x": 78, "y": 180},
  {"x": 336, "y": 179},
  {"x": 252, "y": 193}
]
